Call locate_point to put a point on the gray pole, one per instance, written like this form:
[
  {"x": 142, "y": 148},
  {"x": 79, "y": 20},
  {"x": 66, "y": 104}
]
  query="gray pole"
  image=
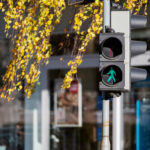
[
  {"x": 117, "y": 138},
  {"x": 105, "y": 115}
]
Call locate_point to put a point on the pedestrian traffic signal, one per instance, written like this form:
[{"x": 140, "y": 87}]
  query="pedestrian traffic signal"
[{"x": 112, "y": 55}]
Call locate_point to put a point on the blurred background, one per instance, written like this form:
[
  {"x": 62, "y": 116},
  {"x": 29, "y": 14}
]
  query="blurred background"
[{"x": 26, "y": 124}]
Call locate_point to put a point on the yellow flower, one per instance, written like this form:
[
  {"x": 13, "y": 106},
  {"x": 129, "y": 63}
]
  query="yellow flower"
[{"x": 1, "y": 5}]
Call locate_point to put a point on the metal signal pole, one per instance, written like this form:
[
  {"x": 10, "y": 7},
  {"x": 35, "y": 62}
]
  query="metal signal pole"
[
  {"x": 106, "y": 14},
  {"x": 105, "y": 133},
  {"x": 117, "y": 131},
  {"x": 105, "y": 114}
]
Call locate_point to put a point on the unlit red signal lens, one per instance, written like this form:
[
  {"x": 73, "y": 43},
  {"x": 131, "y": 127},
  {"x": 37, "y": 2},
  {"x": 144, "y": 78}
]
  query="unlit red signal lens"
[{"x": 111, "y": 48}]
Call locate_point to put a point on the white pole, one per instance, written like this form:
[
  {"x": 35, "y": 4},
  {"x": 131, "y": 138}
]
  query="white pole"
[
  {"x": 105, "y": 114},
  {"x": 118, "y": 123},
  {"x": 45, "y": 111},
  {"x": 35, "y": 129},
  {"x": 106, "y": 14},
  {"x": 105, "y": 136}
]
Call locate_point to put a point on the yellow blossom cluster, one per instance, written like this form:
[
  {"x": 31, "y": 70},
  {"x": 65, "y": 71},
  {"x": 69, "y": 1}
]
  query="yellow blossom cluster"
[
  {"x": 95, "y": 27},
  {"x": 135, "y": 5},
  {"x": 139, "y": 5},
  {"x": 32, "y": 21}
]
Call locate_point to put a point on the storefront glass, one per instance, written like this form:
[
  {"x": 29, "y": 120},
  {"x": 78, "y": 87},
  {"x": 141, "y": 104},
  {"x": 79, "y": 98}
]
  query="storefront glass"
[{"x": 70, "y": 137}]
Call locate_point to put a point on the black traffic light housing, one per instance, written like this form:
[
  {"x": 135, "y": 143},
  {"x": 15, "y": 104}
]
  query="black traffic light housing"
[{"x": 112, "y": 66}]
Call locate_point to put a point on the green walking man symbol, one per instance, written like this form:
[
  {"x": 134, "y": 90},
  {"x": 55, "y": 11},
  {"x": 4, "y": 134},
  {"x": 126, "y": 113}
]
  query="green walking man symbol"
[{"x": 112, "y": 75}]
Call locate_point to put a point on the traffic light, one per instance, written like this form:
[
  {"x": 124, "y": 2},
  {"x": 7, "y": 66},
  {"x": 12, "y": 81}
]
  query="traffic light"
[
  {"x": 112, "y": 66},
  {"x": 116, "y": 50}
]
